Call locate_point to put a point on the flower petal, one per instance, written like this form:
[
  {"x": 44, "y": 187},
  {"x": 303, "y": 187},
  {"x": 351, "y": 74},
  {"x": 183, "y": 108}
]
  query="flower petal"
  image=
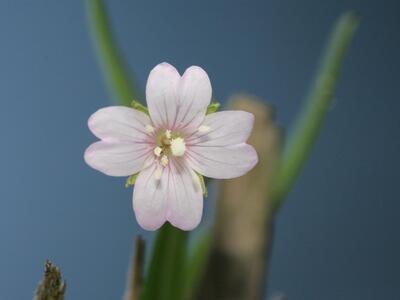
[
  {"x": 225, "y": 128},
  {"x": 185, "y": 196},
  {"x": 149, "y": 198},
  {"x": 175, "y": 197},
  {"x": 119, "y": 123},
  {"x": 194, "y": 96},
  {"x": 222, "y": 162},
  {"x": 117, "y": 158},
  {"x": 162, "y": 94},
  {"x": 178, "y": 102}
]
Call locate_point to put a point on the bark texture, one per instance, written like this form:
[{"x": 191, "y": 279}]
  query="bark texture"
[{"x": 243, "y": 227}]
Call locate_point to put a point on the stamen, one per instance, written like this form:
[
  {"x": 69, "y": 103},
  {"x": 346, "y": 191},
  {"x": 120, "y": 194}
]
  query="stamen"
[
  {"x": 157, "y": 151},
  {"x": 149, "y": 129},
  {"x": 178, "y": 146},
  {"x": 164, "y": 160},
  {"x": 203, "y": 129},
  {"x": 168, "y": 134},
  {"x": 158, "y": 173}
]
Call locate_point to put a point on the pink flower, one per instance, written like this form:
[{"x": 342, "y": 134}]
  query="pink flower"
[{"x": 172, "y": 146}]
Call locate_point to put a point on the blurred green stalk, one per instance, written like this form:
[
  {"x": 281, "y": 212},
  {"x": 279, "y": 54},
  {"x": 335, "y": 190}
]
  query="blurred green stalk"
[
  {"x": 196, "y": 264},
  {"x": 166, "y": 273},
  {"x": 111, "y": 62},
  {"x": 312, "y": 115}
]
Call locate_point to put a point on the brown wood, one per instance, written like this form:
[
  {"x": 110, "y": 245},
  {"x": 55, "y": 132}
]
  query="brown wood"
[
  {"x": 243, "y": 226},
  {"x": 135, "y": 276}
]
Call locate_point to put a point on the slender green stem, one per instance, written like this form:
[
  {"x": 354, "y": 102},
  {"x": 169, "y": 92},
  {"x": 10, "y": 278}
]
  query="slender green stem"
[
  {"x": 196, "y": 264},
  {"x": 121, "y": 87},
  {"x": 309, "y": 123},
  {"x": 165, "y": 277}
]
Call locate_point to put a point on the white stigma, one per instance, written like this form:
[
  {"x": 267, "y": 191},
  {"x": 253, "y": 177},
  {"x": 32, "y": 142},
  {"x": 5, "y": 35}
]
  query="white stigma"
[
  {"x": 157, "y": 151},
  {"x": 203, "y": 129},
  {"x": 178, "y": 146},
  {"x": 158, "y": 173},
  {"x": 164, "y": 160},
  {"x": 168, "y": 134},
  {"x": 149, "y": 129}
]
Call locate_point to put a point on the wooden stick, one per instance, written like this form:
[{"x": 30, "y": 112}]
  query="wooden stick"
[
  {"x": 135, "y": 276},
  {"x": 243, "y": 227}
]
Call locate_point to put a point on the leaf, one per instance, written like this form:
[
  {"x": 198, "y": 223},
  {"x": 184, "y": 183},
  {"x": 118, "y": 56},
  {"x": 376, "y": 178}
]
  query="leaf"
[
  {"x": 312, "y": 115},
  {"x": 140, "y": 107},
  {"x": 131, "y": 180},
  {"x": 203, "y": 185},
  {"x": 116, "y": 76},
  {"x": 166, "y": 273},
  {"x": 213, "y": 107}
]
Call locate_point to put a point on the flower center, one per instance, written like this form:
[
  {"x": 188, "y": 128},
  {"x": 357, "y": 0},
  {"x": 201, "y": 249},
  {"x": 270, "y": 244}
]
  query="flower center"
[{"x": 168, "y": 143}]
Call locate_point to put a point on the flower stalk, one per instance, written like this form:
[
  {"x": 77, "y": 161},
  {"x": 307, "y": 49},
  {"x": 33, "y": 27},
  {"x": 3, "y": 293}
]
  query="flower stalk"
[
  {"x": 116, "y": 76},
  {"x": 310, "y": 120},
  {"x": 167, "y": 265}
]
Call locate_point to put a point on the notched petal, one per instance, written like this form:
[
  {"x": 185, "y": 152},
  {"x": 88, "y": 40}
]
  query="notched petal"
[{"x": 162, "y": 94}]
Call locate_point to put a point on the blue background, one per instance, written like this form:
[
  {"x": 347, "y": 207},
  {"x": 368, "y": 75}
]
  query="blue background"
[{"x": 337, "y": 236}]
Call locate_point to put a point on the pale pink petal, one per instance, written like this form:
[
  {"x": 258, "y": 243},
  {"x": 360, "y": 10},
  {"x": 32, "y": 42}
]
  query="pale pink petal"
[
  {"x": 194, "y": 97},
  {"x": 162, "y": 94},
  {"x": 185, "y": 196},
  {"x": 225, "y": 128},
  {"x": 222, "y": 162},
  {"x": 177, "y": 102},
  {"x": 150, "y": 198},
  {"x": 120, "y": 123},
  {"x": 117, "y": 158}
]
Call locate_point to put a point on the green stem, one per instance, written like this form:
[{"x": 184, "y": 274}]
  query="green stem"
[
  {"x": 311, "y": 118},
  {"x": 165, "y": 277},
  {"x": 196, "y": 264},
  {"x": 110, "y": 60}
]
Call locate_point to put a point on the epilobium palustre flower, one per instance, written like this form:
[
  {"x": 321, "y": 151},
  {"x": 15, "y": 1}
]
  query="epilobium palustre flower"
[{"x": 172, "y": 146}]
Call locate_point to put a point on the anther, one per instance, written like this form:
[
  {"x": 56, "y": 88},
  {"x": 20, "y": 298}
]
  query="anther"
[
  {"x": 168, "y": 134},
  {"x": 157, "y": 151},
  {"x": 164, "y": 160}
]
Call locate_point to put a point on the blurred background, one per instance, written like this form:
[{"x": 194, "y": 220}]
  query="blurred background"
[{"x": 337, "y": 235}]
